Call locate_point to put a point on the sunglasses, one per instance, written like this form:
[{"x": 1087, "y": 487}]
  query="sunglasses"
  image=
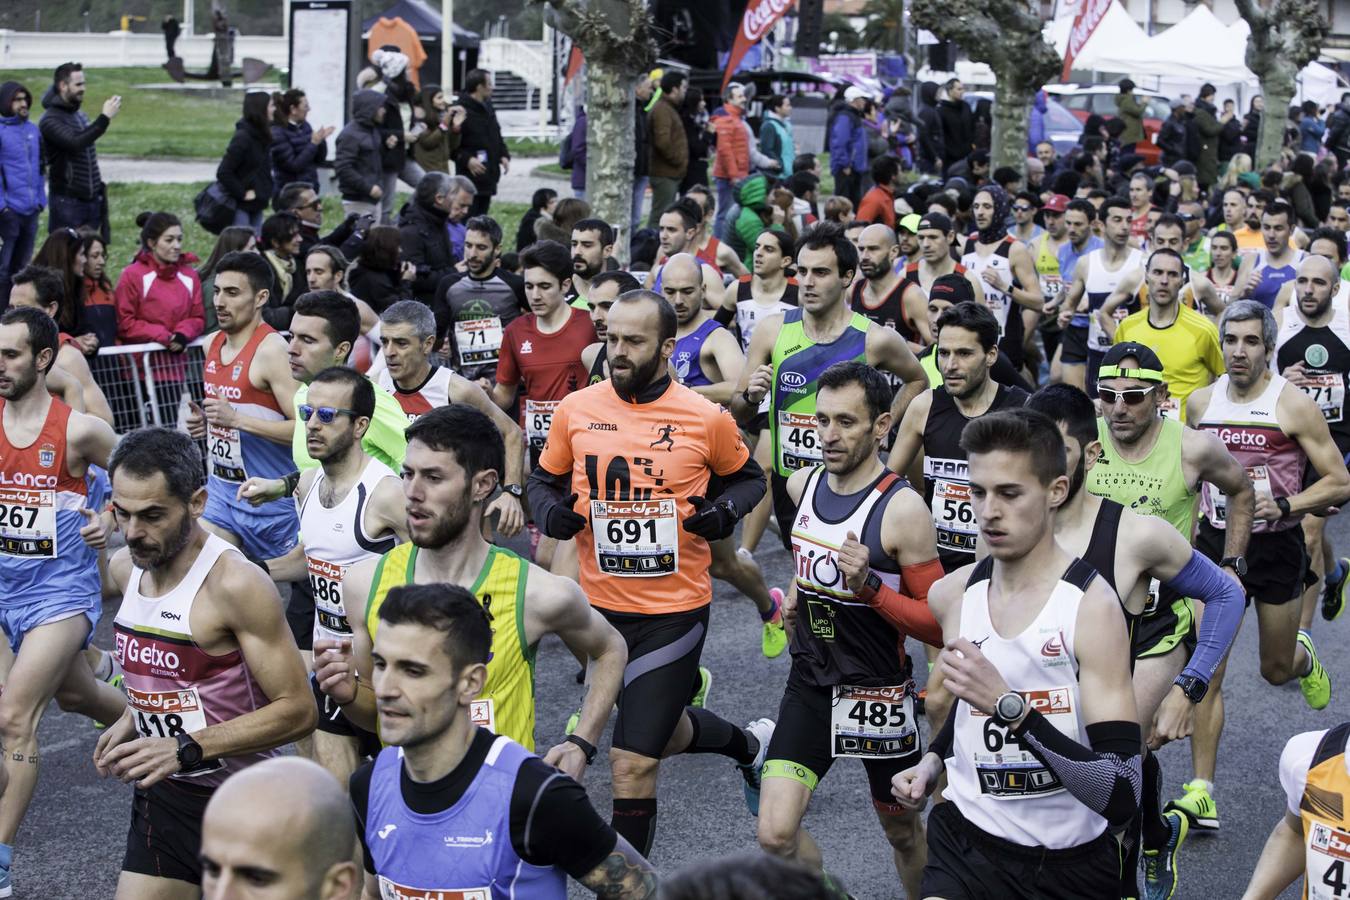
[
  {"x": 1131, "y": 396},
  {"x": 326, "y": 413},
  {"x": 1022, "y": 208}
]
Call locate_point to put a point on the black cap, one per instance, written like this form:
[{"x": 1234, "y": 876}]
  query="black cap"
[
  {"x": 1184, "y": 167},
  {"x": 1126, "y": 85},
  {"x": 936, "y": 220},
  {"x": 1148, "y": 368},
  {"x": 952, "y": 288}
]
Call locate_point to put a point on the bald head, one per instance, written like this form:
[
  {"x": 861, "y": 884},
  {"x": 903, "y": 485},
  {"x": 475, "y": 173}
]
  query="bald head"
[
  {"x": 682, "y": 285},
  {"x": 877, "y": 252},
  {"x": 1318, "y": 266},
  {"x": 300, "y": 848}
]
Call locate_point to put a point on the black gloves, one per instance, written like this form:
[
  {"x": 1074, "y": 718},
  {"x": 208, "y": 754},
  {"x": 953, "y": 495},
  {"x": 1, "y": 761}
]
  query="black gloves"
[
  {"x": 711, "y": 521},
  {"x": 562, "y": 522}
]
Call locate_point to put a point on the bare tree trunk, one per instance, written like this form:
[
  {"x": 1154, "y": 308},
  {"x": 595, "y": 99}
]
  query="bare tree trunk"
[
  {"x": 610, "y": 148},
  {"x": 1286, "y": 35},
  {"x": 1012, "y": 124},
  {"x": 1277, "y": 86}
]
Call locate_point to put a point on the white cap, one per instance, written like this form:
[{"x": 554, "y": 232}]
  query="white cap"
[{"x": 853, "y": 92}]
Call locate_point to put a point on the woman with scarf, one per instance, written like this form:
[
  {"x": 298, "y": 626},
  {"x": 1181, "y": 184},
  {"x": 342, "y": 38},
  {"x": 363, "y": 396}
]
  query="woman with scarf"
[{"x": 1006, "y": 270}]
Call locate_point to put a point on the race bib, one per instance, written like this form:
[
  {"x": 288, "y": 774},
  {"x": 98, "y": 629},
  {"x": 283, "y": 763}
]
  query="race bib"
[
  {"x": 392, "y": 890},
  {"x": 1328, "y": 862},
  {"x": 798, "y": 445},
  {"x": 1005, "y": 768},
  {"x": 538, "y": 420},
  {"x": 325, "y": 582},
  {"x": 1098, "y": 339},
  {"x": 997, "y": 301},
  {"x": 27, "y": 523},
  {"x": 1051, "y": 287},
  {"x": 1260, "y": 478},
  {"x": 1328, "y": 391},
  {"x": 954, "y": 516},
  {"x": 484, "y": 712},
  {"x": 873, "y": 722},
  {"x": 478, "y": 341},
  {"x": 636, "y": 538},
  {"x": 169, "y": 713},
  {"x": 227, "y": 454}
]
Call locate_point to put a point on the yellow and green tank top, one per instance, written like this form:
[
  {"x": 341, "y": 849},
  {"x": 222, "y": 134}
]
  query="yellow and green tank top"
[
  {"x": 506, "y": 705},
  {"x": 1154, "y": 486}
]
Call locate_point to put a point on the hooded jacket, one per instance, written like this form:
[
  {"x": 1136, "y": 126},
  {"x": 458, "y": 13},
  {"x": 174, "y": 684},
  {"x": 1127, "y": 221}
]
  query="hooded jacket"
[
  {"x": 776, "y": 141},
  {"x": 21, "y": 184},
  {"x": 958, "y": 129},
  {"x": 931, "y": 149},
  {"x": 424, "y": 241},
  {"x": 433, "y": 147},
  {"x": 752, "y": 195},
  {"x": 733, "y": 144},
  {"x": 68, "y": 138},
  {"x": 247, "y": 166},
  {"x": 1206, "y": 128},
  {"x": 156, "y": 301},
  {"x": 847, "y": 140},
  {"x": 295, "y": 156},
  {"x": 357, "y": 161},
  {"x": 1338, "y": 128},
  {"x": 481, "y": 133},
  {"x": 1130, "y": 109}
]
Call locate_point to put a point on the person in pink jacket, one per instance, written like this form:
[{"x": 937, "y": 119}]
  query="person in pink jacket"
[{"x": 159, "y": 299}]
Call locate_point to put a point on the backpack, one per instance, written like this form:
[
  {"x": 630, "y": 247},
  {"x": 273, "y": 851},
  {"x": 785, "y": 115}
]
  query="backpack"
[{"x": 214, "y": 208}]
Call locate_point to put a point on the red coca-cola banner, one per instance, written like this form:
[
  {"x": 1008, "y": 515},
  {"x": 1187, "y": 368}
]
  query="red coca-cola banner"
[
  {"x": 759, "y": 17},
  {"x": 1089, "y": 16}
]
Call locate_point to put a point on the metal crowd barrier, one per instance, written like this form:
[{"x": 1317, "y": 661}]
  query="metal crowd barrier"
[{"x": 146, "y": 384}]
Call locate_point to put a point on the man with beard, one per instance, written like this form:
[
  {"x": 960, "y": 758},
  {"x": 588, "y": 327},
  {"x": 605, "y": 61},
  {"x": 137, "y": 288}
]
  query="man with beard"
[
  {"x": 1277, "y": 432},
  {"x": 49, "y": 576},
  {"x": 1070, "y": 358},
  {"x": 642, "y": 450},
  {"x": 862, "y": 549},
  {"x": 326, "y": 270},
  {"x": 605, "y": 289},
  {"x": 1096, "y": 275},
  {"x": 214, "y": 681},
  {"x": 77, "y": 192},
  {"x": 301, "y": 199},
  {"x": 1249, "y": 235},
  {"x": 1263, "y": 274},
  {"x": 1005, "y": 267},
  {"x": 880, "y": 294},
  {"x": 351, "y": 510},
  {"x": 475, "y": 306},
  {"x": 1134, "y": 553},
  {"x": 592, "y": 244},
  {"x": 1312, "y": 351},
  {"x": 935, "y": 235},
  {"x": 678, "y": 230},
  {"x": 454, "y": 461}
]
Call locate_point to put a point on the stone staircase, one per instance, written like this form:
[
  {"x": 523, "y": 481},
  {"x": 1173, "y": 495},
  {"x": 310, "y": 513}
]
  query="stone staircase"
[{"x": 511, "y": 92}]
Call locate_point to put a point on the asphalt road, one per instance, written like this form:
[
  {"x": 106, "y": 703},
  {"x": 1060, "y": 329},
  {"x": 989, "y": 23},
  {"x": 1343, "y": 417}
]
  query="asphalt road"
[{"x": 72, "y": 842}]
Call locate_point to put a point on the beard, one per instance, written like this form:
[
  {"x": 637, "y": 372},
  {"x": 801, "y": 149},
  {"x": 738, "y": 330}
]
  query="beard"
[
  {"x": 642, "y": 374},
  {"x": 336, "y": 449},
  {"x": 583, "y": 268},
  {"x": 448, "y": 526},
  {"x": 150, "y": 556},
  {"x": 21, "y": 384}
]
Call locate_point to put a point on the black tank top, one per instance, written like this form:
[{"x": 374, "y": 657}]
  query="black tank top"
[
  {"x": 890, "y": 313},
  {"x": 598, "y": 366},
  {"x": 945, "y": 462}
]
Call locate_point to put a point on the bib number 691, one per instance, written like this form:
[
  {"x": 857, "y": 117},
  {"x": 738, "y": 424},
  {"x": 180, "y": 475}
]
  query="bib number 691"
[{"x": 629, "y": 531}]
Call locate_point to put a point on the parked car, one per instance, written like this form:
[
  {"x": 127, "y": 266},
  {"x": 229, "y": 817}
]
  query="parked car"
[
  {"x": 810, "y": 93},
  {"x": 1062, "y": 128},
  {"x": 1082, "y": 100}
]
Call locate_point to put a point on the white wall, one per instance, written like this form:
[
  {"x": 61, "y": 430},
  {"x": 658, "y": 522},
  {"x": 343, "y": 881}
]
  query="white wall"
[{"x": 47, "y": 50}]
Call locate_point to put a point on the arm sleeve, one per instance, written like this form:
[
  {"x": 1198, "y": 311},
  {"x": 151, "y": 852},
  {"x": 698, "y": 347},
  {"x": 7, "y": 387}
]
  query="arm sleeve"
[
  {"x": 942, "y": 742},
  {"x": 1107, "y": 777},
  {"x": 545, "y": 491},
  {"x": 745, "y": 487},
  {"x": 61, "y": 134},
  {"x": 724, "y": 316},
  {"x": 359, "y": 788},
  {"x": 910, "y": 614},
  {"x": 554, "y": 824},
  {"x": 1224, "y": 606}
]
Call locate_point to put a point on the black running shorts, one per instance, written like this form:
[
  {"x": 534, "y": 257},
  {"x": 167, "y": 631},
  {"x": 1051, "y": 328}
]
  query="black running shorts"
[
  {"x": 1277, "y": 562},
  {"x": 332, "y": 720},
  {"x": 663, "y": 654},
  {"x": 165, "y": 838},
  {"x": 1073, "y": 345}
]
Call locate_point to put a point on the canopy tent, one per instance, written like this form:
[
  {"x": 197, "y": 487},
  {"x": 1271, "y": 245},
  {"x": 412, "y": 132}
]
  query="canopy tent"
[
  {"x": 1199, "y": 47},
  {"x": 1113, "y": 45}
]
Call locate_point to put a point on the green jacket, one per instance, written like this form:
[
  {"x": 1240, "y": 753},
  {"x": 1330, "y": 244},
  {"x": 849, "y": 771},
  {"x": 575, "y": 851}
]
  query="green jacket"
[
  {"x": 1207, "y": 126},
  {"x": 1130, "y": 109},
  {"x": 753, "y": 195}
]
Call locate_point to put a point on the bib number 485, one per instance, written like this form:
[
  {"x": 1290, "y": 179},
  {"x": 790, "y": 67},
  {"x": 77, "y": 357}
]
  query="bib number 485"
[{"x": 877, "y": 714}]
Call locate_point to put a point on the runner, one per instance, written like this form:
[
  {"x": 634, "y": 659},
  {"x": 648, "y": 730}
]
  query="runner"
[
  {"x": 1194, "y": 290},
  {"x": 1044, "y": 741},
  {"x": 1045, "y": 257},
  {"x": 1223, "y": 265},
  {"x": 788, "y": 353},
  {"x": 1275, "y": 433},
  {"x": 473, "y": 307},
  {"x": 540, "y": 362},
  {"x": 304, "y": 849},
  {"x": 605, "y": 289},
  {"x": 407, "y": 331},
  {"x": 326, "y": 270},
  {"x": 1005, "y": 267},
  {"x": 678, "y": 232},
  {"x": 710, "y": 250},
  {"x": 771, "y": 289},
  {"x": 862, "y": 550},
  {"x": 948, "y": 291},
  {"x": 1096, "y": 275},
  {"x": 454, "y": 461},
  {"x": 1134, "y": 553},
  {"x": 932, "y": 426},
  {"x": 1309, "y": 838},
  {"x": 49, "y": 575},
  {"x": 1312, "y": 351},
  {"x": 214, "y": 681},
  {"x": 641, "y": 450},
  {"x": 1079, "y": 217},
  {"x": 935, "y": 260},
  {"x": 1263, "y": 274},
  {"x": 247, "y": 417},
  {"x": 705, "y": 351},
  {"x": 592, "y": 244},
  {"x": 517, "y": 827},
  {"x": 881, "y": 295}
]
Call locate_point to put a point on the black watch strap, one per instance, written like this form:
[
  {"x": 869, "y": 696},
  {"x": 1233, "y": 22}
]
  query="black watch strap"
[
  {"x": 586, "y": 747},
  {"x": 1283, "y": 504}
]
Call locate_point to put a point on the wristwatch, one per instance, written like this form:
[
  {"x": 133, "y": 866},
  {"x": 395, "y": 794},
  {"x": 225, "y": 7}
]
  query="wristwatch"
[
  {"x": 1237, "y": 563},
  {"x": 870, "y": 587},
  {"x": 1283, "y": 504},
  {"x": 586, "y": 747},
  {"x": 1192, "y": 687},
  {"x": 1009, "y": 708},
  {"x": 189, "y": 752},
  {"x": 514, "y": 490}
]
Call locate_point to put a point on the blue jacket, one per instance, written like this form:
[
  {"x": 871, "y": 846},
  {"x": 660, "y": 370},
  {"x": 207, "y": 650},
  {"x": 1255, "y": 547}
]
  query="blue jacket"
[
  {"x": 21, "y": 184},
  {"x": 848, "y": 140},
  {"x": 295, "y": 156}
]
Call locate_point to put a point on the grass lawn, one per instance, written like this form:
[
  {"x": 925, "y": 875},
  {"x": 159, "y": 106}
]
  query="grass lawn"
[{"x": 553, "y": 170}]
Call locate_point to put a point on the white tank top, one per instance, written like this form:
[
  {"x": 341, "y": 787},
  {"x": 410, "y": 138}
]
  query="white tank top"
[
  {"x": 997, "y": 260},
  {"x": 1099, "y": 284},
  {"x": 996, "y": 783},
  {"x": 750, "y": 312},
  {"x": 336, "y": 539}
]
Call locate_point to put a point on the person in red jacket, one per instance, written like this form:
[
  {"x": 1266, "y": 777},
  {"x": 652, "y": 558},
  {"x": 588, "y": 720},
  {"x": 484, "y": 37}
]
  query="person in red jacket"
[
  {"x": 159, "y": 299},
  {"x": 737, "y": 152}
]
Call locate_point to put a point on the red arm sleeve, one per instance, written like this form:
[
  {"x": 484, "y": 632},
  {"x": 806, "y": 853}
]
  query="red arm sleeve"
[{"x": 911, "y": 614}]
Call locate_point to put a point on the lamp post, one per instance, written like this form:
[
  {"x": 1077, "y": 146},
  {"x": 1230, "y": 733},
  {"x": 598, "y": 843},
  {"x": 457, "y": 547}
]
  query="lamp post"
[{"x": 448, "y": 46}]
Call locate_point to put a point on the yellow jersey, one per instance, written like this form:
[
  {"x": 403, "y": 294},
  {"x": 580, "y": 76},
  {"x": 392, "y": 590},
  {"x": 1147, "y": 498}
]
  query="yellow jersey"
[
  {"x": 1189, "y": 350},
  {"x": 506, "y": 705}
]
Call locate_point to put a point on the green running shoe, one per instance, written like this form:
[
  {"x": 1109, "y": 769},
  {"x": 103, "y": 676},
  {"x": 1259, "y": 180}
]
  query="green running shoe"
[
  {"x": 1160, "y": 866},
  {"x": 704, "y": 686},
  {"x": 1333, "y": 592},
  {"x": 774, "y": 640},
  {"x": 1316, "y": 685},
  {"x": 1197, "y": 806}
]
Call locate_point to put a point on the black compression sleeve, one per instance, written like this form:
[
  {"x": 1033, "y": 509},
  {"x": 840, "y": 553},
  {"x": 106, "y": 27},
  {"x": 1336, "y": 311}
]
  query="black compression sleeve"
[
  {"x": 554, "y": 824},
  {"x": 941, "y": 744},
  {"x": 724, "y": 316},
  {"x": 1107, "y": 777},
  {"x": 545, "y": 491},
  {"x": 358, "y": 786},
  {"x": 745, "y": 486}
]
